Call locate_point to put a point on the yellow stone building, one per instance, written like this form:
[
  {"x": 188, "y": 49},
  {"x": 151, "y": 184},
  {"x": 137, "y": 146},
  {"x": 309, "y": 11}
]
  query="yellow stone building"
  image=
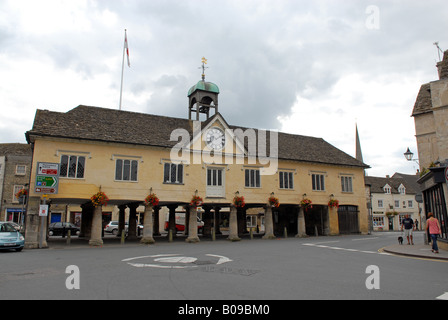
[{"x": 130, "y": 155}]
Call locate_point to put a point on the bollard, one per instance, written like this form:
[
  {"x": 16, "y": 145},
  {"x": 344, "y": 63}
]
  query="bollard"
[
  {"x": 123, "y": 235},
  {"x": 69, "y": 237},
  {"x": 251, "y": 234},
  {"x": 170, "y": 235},
  {"x": 213, "y": 234},
  {"x": 286, "y": 232}
]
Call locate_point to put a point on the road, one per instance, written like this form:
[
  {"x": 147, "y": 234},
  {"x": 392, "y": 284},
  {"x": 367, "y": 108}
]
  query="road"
[{"x": 322, "y": 268}]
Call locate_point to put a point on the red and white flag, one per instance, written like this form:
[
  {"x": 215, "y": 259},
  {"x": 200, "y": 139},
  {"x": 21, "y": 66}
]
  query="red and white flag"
[{"x": 126, "y": 47}]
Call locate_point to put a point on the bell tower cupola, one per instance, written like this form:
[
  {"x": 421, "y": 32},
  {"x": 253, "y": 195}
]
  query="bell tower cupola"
[{"x": 202, "y": 97}]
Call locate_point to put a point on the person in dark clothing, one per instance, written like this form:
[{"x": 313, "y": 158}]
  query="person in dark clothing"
[{"x": 408, "y": 225}]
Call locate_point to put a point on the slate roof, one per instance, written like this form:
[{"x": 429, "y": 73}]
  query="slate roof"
[
  {"x": 109, "y": 125},
  {"x": 423, "y": 102},
  {"x": 377, "y": 183},
  {"x": 15, "y": 149}
]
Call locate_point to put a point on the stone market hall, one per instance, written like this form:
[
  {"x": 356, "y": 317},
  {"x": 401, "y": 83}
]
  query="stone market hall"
[{"x": 301, "y": 184}]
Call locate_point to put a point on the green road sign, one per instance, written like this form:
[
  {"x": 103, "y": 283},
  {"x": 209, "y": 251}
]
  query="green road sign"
[{"x": 46, "y": 184}]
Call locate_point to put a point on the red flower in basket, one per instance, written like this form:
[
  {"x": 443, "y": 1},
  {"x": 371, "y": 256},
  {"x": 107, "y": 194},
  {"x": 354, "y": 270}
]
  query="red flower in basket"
[
  {"x": 196, "y": 201},
  {"x": 152, "y": 200}
]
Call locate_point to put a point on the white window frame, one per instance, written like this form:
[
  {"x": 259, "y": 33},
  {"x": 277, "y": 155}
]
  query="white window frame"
[
  {"x": 170, "y": 166},
  {"x": 347, "y": 183},
  {"x": 76, "y": 176},
  {"x": 318, "y": 181},
  {"x": 20, "y": 173},
  {"x": 129, "y": 177},
  {"x": 252, "y": 178},
  {"x": 15, "y": 189},
  {"x": 288, "y": 183}
]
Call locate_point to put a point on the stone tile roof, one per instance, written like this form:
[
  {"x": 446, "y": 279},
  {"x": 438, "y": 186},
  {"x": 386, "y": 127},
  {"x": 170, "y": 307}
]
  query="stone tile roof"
[
  {"x": 15, "y": 149},
  {"x": 377, "y": 183},
  {"x": 108, "y": 125},
  {"x": 423, "y": 102}
]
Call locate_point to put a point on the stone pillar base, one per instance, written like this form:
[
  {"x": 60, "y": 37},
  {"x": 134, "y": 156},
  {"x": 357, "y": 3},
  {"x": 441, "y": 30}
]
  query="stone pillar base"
[
  {"x": 233, "y": 239},
  {"x": 269, "y": 237},
  {"x": 192, "y": 240},
  {"x": 147, "y": 240},
  {"x": 95, "y": 243}
]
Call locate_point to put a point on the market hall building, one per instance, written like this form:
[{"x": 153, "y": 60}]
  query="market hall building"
[{"x": 302, "y": 184}]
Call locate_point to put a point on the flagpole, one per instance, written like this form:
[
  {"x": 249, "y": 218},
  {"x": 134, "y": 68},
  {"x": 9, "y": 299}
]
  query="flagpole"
[{"x": 122, "y": 68}]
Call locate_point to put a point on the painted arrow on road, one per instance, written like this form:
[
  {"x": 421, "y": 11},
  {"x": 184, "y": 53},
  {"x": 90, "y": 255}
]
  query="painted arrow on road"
[{"x": 443, "y": 296}]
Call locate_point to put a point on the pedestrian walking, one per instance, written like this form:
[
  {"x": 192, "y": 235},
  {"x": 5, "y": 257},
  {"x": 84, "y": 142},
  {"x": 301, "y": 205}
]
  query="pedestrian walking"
[
  {"x": 408, "y": 225},
  {"x": 433, "y": 225}
]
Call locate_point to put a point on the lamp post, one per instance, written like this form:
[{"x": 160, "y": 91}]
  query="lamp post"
[{"x": 409, "y": 155}]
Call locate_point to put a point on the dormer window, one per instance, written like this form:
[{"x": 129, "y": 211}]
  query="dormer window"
[
  {"x": 401, "y": 189},
  {"x": 387, "y": 189}
]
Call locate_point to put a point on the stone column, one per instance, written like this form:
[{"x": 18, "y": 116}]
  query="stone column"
[
  {"x": 217, "y": 220},
  {"x": 301, "y": 227},
  {"x": 33, "y": 224},
  {"x": 156, "y": 214},
  {"x": 233, "y": 224},
  {"x": 121, "y": 219},
  {"x": 187, "y": 221},
  {"x": 172, "y": 219},
  {"x": 193, "y": 226},
  {"x": 207, "y": 218},
  {"x": 268, "y": 223},
  {"x": 333, "y": 221},
  {"x": 132, "y": 229},
  {"x": 97, "y": 226},
  {"x": 148, "y": 227}
]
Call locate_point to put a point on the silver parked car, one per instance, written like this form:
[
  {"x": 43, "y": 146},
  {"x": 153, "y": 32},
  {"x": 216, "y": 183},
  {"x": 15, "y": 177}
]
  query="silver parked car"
[{"x": 112, "y": 227}]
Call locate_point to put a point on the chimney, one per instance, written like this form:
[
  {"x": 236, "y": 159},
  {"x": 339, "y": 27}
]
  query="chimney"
[{"x": 442, "y": 66}]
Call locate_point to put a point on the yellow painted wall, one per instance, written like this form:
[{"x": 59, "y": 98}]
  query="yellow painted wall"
[{"x": 100, "y": 171}]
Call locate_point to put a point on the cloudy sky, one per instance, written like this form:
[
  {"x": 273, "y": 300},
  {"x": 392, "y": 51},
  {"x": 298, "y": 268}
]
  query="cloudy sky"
[{"x": 314, "y": 68}]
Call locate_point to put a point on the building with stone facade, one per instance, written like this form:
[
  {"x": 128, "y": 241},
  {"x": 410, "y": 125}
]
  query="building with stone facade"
[
  {"x": 391, "y": 199},
  {"x": 129, "y": 155},
  {"x": 431, "y": 127},
  {"x": 15, "y": 169}
]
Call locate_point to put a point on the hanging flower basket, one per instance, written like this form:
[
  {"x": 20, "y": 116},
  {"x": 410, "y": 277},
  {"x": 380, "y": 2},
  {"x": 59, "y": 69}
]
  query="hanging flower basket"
[
  {"x": 273, "y": 201},
  {"x": 306, "y": 204},
  {"x": 152, "y": 200},
  {"x": 99, "y": 199},
  {"x": 196, "y": 201},
  {"x": 239, "y": 202},
  {"x": 21, "y": 193},
  {"x": 333, "y": 203}
]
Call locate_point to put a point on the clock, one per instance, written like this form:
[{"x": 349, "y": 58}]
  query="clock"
[{"x": 215, "y": 139}]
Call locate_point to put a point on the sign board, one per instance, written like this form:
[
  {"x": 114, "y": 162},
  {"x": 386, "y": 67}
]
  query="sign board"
[
  {"x": 51, "y": 169},
  {"x": 47, "y": 178},
  {"x": 43, "y": 210}
]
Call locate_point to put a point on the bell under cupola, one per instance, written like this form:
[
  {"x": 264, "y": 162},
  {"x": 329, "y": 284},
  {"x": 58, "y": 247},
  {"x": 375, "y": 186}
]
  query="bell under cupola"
[{"x": 202, "y": 97}]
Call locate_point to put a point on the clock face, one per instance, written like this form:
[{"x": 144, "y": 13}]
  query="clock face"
[{"x": 215, "y": 139}]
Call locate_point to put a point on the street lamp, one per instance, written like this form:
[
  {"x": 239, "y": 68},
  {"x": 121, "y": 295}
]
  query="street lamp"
[{"x": 409, "y": 155}]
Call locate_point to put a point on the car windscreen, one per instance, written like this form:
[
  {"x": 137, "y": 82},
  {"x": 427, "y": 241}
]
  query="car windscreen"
[{"x": 6, "y": 227}]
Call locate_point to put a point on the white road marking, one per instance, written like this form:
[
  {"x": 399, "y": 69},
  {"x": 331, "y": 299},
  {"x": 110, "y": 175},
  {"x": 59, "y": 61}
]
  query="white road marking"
[
  {"x": 344, "y": 249},
  {"x": 443, "y": 296}
]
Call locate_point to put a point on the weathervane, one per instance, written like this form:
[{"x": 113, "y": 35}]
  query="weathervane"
[
  {"x": 438, "y": 49},
  {"x": 204, "y": 62}
]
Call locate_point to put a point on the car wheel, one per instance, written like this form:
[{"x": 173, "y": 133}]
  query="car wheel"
[
  {"x": 18, "y": 250},
  {"x": 115, "y": 232}
]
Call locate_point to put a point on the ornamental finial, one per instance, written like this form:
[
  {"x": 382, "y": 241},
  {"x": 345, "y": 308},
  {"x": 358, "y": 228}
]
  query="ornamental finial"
[{"x": 204, "y": 62}]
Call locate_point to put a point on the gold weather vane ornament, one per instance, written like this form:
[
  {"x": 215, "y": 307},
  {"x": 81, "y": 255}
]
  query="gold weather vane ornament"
[{"x": 204, "y": 62}]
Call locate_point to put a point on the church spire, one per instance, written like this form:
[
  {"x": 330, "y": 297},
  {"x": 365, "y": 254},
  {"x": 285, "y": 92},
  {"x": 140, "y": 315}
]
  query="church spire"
[{"x": 358, "y": 146}]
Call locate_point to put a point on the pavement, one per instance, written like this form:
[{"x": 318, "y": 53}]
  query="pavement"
[{"x": 417, "y": 251}]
